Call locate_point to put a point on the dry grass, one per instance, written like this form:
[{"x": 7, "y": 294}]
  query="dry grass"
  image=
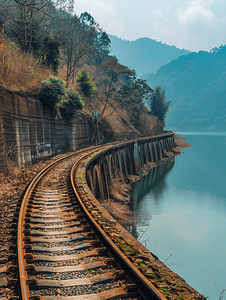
[
  {"x": 120, "y": 212},
  {"x": 119, "y": 190},
  {"x": 117, "y": 204},
  {"x": 19, "y": 72},
  {"x": 10, "y": 170}
]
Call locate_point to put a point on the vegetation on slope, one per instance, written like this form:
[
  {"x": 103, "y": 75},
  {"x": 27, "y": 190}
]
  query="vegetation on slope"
[{"x": 19, "y": 71}]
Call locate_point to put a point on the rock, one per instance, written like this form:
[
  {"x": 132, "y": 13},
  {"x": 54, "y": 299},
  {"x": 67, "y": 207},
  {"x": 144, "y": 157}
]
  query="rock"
[
  {"x": 114, "y": 235},
  {"x": 58, "y": 291},
  {"x": 139, "y": 261},
  {"x": 148, "y": 271}
]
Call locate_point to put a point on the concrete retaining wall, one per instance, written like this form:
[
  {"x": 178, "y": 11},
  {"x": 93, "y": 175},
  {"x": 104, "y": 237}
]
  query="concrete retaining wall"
[{"x": 29, "y": 131}]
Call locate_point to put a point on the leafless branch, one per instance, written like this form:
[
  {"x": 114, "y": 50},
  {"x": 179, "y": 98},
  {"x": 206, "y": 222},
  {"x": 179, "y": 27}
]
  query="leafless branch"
[
  {"x": 222, "y": 293},
  {"x": 143, "y": 233}
]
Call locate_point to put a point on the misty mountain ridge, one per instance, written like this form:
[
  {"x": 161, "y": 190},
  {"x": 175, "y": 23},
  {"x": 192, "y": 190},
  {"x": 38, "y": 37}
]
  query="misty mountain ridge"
[
  {"x": 196, "y": 85},
  {"x": 144, "y": 55}
]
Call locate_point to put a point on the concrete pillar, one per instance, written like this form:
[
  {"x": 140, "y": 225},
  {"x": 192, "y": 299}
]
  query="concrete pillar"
[
  {"x": 100, "y": 182},
  {"x": 171, "y": 144},
  {"x": 167, "y": 145},
  {"x": 128, "y": 161},
  {"x": 107, "y": 178},
  {"x": 164, "y": 144},
  {"x": 162, "y": 148},
  {"x": 132, "y": 159},
  {"x": 150, "y": 145},
  {"x": 90, "y": 180},
  {"x": 140, "y": 161},
  {"x": 141, "y": 155},
  {"x": 147, "y": 158},
  {"x": 136, "y": 157},
  {"x": 158, "y": 150},
  {"x": 98, "y": 189},
  {"x": 124, "y": 162},
  {"x": 116, "y": 160},
  {"x": 120, "y": 161},
  {"x": 108, "y": 161},
  {"x": 155, "y": 151}
]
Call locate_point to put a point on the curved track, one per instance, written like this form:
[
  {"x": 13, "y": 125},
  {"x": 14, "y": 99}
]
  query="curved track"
[
  {"x": 62, "y": 254},
  {"x": 59, "y": 255}
]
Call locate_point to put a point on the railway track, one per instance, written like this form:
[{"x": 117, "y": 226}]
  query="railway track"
[{"x": 60, "y": 254}]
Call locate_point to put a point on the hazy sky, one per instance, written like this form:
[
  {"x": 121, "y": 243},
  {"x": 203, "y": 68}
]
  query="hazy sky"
[{"x": 193, "y": 25}]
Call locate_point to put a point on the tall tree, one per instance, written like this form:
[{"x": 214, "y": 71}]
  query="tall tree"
[
  {"x": 101, "y": 40},
  {"x": 158, "y": 104},
  {"x": 102, "y": 43}
]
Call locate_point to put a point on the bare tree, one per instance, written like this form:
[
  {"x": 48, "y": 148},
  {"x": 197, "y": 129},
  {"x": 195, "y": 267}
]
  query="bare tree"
[
  {"x": 31, "y": 21},
  {"x": 78, "y": 44},
  {"x": 113, "y": 71}
]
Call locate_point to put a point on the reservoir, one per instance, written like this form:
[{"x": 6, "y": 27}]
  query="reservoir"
[{"x": 180, "y": 212}]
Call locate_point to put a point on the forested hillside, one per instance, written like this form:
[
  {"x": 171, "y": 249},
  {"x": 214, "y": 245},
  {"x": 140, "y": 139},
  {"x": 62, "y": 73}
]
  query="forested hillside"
[
  {"x": 196, "y": 85},
  {"x": 48, "y": 52},
  {"x": 144, "y": 54}
]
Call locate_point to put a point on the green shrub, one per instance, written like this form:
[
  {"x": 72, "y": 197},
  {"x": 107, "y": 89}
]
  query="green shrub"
[
  {"x": 63, "y": 101},
  {"x": 86, "y": 83},
  {"x": 76, "y": 99},
  {"x": 52, "y": 90},
  {"x": 72, "y": 103}
]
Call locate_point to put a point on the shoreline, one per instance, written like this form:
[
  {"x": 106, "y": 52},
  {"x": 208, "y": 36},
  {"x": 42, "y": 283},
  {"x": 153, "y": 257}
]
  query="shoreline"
[{"x": 180, "y": 144}]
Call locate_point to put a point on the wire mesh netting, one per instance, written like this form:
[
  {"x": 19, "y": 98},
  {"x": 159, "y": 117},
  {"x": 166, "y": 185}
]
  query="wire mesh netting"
[
  {"x": 29, "y": 131},
  {"x": 2, "y": 144}
]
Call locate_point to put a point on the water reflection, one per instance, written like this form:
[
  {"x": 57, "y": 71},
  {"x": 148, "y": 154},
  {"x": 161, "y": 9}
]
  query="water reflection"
[
  {"x": 188, "y": 218},
  {"x": 156, "y": 178}
]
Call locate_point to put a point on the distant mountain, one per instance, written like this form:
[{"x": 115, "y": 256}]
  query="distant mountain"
[
  {"x": 196, "y": 85},
  {"x": 144, "y": 55}
]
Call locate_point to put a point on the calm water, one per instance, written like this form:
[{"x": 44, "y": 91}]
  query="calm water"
[{"x": 183, "y": 210}]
